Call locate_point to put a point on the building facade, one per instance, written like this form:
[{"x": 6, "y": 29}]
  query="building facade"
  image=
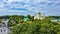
[
  {"x": 4, "y": 27},
  {"x": 3, "y": 30}
]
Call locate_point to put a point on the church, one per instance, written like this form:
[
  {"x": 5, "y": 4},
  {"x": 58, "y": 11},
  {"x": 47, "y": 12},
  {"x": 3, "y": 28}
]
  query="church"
[{"x": 39, "y": 16}]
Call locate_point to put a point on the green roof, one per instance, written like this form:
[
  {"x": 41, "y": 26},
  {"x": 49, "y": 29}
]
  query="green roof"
[
  {"x": 25, "y": 19},
  {"x": 56, "y": 18}
]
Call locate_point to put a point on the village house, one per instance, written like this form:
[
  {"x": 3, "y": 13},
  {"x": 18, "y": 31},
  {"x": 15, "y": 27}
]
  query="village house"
[
  {"x": 4, "y": 27},
  {"x": 55, "y": 20}
]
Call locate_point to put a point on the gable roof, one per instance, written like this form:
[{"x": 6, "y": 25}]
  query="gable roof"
[
  {"x": 3, "y": 25},
  {"x": 26, "y": 18}
]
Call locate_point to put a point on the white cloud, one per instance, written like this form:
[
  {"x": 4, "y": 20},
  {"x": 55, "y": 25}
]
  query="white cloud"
[{"x": 28, "y": 5}]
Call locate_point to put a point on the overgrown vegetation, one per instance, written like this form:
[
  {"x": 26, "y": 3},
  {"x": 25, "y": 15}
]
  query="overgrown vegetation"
[
  {"x": 37, "y": 27},
  {"x": 32, "y": 26}
]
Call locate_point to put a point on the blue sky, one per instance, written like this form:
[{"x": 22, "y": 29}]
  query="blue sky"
[{"x": 25, "y": 7}]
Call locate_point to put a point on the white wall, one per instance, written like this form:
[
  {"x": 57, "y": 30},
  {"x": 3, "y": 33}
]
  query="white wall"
[{"x": 3, "y": 30}]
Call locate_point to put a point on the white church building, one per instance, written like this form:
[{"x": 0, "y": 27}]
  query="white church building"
[{"x": 39, "y": 16}]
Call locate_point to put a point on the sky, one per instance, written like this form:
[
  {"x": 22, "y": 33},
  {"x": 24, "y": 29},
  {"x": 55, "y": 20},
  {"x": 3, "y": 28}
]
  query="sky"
[{"x": 29, "y": 7}]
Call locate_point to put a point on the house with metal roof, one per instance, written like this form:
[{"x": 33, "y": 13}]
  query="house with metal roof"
[
  {"x": 3, "y": 28},
  {"x": 26, "y": 19},
  {"x": 55, "y": 19}
]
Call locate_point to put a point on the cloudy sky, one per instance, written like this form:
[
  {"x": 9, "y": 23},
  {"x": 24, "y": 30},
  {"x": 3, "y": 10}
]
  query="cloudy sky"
[{"x": 24, "y": 7}]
